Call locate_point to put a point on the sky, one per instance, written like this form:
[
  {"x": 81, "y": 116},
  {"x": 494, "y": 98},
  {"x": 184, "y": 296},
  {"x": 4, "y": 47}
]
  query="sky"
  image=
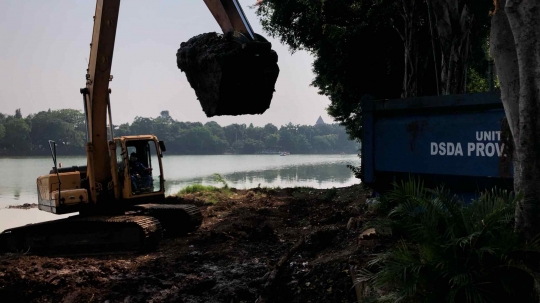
[{"x": 45, "y": 48}]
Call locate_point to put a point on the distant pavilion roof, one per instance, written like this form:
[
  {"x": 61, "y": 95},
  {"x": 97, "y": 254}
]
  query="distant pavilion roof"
[{"x": 320, "y": 121}]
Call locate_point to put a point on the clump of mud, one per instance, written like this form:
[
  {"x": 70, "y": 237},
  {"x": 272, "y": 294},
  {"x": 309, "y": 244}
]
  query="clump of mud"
[
  {"x": 24, "y": 206},
  {"x": 229, "y": 77}
]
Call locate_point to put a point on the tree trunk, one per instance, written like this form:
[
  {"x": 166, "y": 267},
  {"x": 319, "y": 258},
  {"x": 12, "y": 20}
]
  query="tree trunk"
[
  {"x": 515, "y": 47},
  {"x": 453, "y": 28},
  {"x": 409, "y": 37}
]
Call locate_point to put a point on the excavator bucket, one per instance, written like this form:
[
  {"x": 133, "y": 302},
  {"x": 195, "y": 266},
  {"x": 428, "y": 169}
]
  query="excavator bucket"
[{"x": 231, "y": 74}]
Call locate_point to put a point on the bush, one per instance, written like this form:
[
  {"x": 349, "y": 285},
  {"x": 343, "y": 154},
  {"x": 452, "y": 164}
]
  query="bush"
[
  {"x": 197, "y": 188},
  {"x": 219, "y": 179},
  {"x": 452, "y": 252}
]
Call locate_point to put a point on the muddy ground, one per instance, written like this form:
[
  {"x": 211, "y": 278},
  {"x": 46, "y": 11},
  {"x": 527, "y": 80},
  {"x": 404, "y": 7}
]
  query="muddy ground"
[{"x": 231, "y": 258}]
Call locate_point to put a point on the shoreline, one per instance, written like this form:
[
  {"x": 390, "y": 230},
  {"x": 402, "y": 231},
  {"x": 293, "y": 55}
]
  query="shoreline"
[{"x": 16, "y": 155}]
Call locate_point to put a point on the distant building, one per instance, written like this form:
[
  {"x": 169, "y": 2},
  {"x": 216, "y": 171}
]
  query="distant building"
[{"x": 320, "y": 121}]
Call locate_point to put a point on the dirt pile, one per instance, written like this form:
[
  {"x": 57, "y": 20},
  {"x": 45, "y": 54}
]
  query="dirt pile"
[
  {"x": 260, "y": 245},
  {"x": 229, "y": 77}
]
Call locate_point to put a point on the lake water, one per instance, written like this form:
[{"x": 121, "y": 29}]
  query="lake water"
[{"x": 18, "y": 176}]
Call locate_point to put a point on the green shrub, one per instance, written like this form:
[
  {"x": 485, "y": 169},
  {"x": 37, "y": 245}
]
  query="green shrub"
[
  {"x": 197, "y": 188},
  {"x": 452, "y": 252},
  {"x": 219, "y": 179}
]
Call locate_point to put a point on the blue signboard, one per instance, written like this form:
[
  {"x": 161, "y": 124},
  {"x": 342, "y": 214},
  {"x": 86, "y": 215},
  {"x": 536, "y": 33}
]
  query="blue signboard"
[
  {"x": 466, "y": 144},
  {"x": 447, "y": 137}
]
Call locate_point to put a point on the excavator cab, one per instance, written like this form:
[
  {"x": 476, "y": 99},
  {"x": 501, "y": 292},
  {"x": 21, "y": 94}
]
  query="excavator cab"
[
  {"x": 65, "y": 190},
  {"x": 139, "y": 168}
]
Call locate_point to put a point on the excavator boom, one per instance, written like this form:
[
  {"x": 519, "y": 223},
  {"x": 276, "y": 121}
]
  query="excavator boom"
[{"x": 97, "y": 96}]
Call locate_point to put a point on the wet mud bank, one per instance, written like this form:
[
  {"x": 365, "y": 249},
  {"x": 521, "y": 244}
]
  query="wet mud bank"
[{"x": 259, "y": 245}]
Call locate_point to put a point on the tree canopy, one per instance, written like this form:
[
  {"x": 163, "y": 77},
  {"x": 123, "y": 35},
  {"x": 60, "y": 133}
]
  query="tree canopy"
[
  {"x": 383, "y": 48},
  {"x": 30, "y": 135}
]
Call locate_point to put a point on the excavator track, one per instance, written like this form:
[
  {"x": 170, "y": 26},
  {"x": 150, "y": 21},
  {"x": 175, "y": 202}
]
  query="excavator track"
[
  {"x": 85, "y": 236},
  {"x": 176, "y": 219}
]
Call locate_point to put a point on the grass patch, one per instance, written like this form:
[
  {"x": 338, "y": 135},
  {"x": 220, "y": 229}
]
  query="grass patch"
[
  {"x": 197, "y": 188},
  {"x": 301, "y": 192},
  {"x": 267, "y": 188},
  {"x": 208, "y": 193},
  {"x": 330, "y": 193},
  {"x": 303, "y": 188}
]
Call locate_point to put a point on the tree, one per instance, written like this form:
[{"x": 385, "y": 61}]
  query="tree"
[
  {"x": 142, "y": 125},
  {"x": 232, "y": 133},
  {"x": 271, "y": 141},
  {"x": 17, "y": 135},
  {"x": 165, "y": 114},
  {"x": 287, "y": 137},
  {"x": 270, "y": 128},
  {"x": 216, "y": 129},
  {"x": 251, "y": 146},
  {"x": 351, "y": 59},
  {"x": 454, "y": 23},
  {"x": 360, "y": 45},
  {"x": 302, "y": 144},
  {"x": 2, "y": 133},
  {"x": 255, "y": 133},
  {"x": 123, "y": 130},
  {"x": 66, "y": 127},
  {"x": 325, "y": 143},
  {"x": 515, "y": 47},
  {"x": 18, "y": 114},
  {"x": 200, "y": 140}
]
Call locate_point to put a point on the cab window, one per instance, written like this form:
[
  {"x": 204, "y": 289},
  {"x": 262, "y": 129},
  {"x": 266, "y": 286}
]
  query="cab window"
[{"x": 144, "y": 176}]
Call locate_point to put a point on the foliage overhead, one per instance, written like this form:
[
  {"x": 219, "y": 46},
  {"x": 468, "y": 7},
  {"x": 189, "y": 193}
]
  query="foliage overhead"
[{"x": 359, "y": 46}]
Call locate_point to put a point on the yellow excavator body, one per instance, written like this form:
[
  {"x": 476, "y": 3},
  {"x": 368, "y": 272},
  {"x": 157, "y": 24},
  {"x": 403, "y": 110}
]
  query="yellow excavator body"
[{"x": 51, "y": 199}]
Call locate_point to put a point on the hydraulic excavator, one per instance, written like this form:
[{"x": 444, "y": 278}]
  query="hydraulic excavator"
[{"x": 118, "y": 211}]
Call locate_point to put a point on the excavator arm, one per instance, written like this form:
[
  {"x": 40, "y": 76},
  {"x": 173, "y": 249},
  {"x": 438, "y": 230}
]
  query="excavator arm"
[
  {"x": 228, "y": 14},
  {"x": 96, "y": 98}
]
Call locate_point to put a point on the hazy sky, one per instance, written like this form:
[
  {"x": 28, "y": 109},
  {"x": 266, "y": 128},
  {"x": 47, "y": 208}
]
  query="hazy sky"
[{"x": 45, "y": 48}]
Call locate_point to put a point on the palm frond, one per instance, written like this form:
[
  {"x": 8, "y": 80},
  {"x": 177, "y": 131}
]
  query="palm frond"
[{"x": 450, "y": 250}]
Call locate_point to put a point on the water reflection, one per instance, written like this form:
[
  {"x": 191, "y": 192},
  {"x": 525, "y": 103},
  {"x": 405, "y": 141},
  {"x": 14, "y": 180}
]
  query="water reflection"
[
  {"x": 319, "y": 176},
  {"x": 324, "y": 172},
  {"x": 17, "y": 193},
  {"x": 18, "y": 184}
]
